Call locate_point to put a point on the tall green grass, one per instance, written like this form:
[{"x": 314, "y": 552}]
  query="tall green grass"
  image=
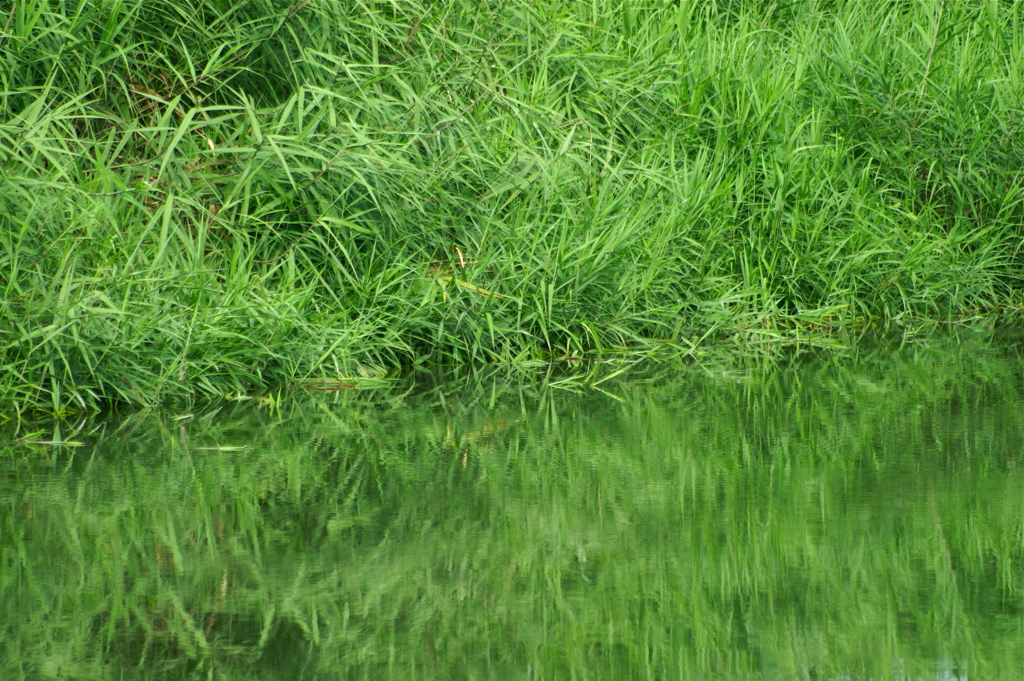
[{"x": 202, "y": 197}]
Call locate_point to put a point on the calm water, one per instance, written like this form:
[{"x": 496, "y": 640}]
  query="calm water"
[{"x": 851, "y": 516}]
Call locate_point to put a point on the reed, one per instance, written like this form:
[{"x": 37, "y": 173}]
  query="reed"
[{"x": 199, "y": 198}]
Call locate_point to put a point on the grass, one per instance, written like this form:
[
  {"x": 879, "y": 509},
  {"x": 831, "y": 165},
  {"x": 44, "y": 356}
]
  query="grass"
[{"x": 199, "y": 198}]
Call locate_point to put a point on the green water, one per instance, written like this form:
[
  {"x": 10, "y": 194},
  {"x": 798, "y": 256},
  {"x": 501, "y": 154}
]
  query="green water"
[{"x": 853, "y": 515}]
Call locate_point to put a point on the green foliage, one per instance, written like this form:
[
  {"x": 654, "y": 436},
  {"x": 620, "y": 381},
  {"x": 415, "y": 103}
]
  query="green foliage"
[
  {"x": 825, "y": 517},
  {"x": 198, "y": 197}
]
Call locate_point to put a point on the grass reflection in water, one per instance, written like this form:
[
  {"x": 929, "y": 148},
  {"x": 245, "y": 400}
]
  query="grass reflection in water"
[{"x": 827, "y": 518}]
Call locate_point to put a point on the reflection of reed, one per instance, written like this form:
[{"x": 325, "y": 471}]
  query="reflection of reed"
[
  {"x": 699, "y": 526},
  {"x": 478, "y": 437},
  {"x": 934, "y": 508}
]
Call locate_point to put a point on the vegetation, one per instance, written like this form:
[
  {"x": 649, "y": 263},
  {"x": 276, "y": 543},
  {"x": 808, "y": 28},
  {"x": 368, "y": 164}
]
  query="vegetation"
[
  {"x": 830, "y": 518},
  {"x": 204, "y": 197}
]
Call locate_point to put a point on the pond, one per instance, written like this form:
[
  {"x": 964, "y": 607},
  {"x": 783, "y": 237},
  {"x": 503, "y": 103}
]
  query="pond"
[{"x": 819, "y": 515}]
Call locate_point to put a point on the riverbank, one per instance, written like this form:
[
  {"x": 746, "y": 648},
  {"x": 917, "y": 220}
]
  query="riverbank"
[{"x": 214, "y": 199}]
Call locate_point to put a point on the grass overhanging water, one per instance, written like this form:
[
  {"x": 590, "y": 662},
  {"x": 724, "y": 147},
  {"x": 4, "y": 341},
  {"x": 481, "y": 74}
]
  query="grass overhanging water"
[{"x": 198, "y": 198}]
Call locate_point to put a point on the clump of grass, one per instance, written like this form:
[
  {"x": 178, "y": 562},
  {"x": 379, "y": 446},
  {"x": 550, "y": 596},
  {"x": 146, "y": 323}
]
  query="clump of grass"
[{"x": 203, "y": 197}]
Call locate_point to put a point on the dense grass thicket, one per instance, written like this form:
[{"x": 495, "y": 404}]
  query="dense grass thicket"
[{"x": 202, "y": 197}]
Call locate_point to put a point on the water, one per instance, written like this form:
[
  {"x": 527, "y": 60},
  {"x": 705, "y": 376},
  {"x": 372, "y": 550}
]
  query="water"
[{"x": 834, "y": 516}]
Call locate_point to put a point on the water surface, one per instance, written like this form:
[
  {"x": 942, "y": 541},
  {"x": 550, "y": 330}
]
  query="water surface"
[{"x": 829, "y": 516}]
